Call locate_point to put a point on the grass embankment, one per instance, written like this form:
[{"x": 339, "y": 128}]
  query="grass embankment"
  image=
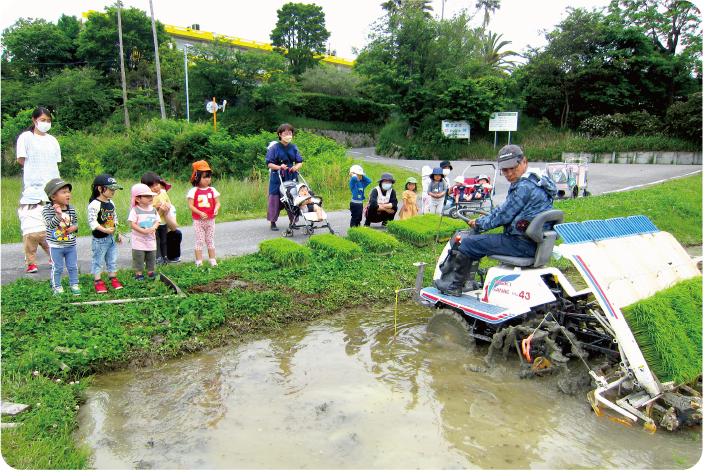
[
  {"x": 242, "y": 295},
  {"x": 240, "y": 200}
]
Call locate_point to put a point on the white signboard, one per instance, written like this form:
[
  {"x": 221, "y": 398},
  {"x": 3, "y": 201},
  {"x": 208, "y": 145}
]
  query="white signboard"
[
  {"x": 503, "y": 121},
  {"x": 456, "y": 129}
]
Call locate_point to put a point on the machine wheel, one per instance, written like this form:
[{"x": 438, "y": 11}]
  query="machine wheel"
[
  {"x": 574, "y": 192},
  {"x": 305, "y": 230},
  {"x": 452, "y": 327},
  {"x": 586, "y": 193}
]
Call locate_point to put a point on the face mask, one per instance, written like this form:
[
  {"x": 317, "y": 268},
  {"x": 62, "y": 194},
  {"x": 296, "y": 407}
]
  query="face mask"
[
  {"x": 287, "y": 138},
  {"x": 43, "y": 126},
  {"x": 386, "y": 186},
  {"x": 445, "y": 172}
]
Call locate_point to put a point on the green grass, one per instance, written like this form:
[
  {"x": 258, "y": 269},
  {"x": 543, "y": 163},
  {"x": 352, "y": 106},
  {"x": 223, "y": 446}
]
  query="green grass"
[
  {"x": 285, "y": 253},
  {"x": 372, "y": 240},
  {"x": 667, "y": 327},
  {"x": 241, "y": 200},
  {"x": 335, "y": 246},
  {"x": 422, "y": 230}
]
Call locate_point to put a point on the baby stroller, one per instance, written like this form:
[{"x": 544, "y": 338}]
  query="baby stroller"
[
  {"x": 569, "y": 177},
  {"x": 485, "y": 199},
  {"x": 302, "y": 219}
]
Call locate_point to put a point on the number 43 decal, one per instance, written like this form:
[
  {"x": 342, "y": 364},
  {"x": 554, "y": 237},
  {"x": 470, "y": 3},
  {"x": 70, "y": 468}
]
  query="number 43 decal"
[{"x": 524, "y": 295}]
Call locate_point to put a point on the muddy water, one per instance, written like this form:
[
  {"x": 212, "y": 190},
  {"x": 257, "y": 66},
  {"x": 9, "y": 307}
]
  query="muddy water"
[{"x": 343, "y": 393}]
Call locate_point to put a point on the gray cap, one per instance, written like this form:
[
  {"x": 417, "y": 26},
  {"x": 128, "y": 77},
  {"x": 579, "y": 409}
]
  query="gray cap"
[
  {"x": 54, "y": 185},
  {"x": 509, "y": 156},
  {"x": 387, "y": 176}
]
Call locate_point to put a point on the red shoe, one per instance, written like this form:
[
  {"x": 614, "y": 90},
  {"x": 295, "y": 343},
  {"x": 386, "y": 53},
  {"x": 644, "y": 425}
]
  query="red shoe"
[
  {"x": 32, "y": 268},
  {"x": 115, "y": 283},
  {"x": 100, "y": 287}
]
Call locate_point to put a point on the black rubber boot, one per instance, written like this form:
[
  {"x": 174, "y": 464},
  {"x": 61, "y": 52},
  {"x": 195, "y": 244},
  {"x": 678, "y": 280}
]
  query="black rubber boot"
[{"x": 452, "y": 281}]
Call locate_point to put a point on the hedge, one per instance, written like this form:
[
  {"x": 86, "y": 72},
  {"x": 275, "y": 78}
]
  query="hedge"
[
  {"x": 335, "y": 246},
  {"x": 285, "y": 253},
  {"x": 376, "y": 242},
  {"x": 338, "y": 108}
]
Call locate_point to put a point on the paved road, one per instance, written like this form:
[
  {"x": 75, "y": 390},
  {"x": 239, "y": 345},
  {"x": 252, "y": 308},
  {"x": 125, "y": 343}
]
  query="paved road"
[{"x": 247, "y": 234}]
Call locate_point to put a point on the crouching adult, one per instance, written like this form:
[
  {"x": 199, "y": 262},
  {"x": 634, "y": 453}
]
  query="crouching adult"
[
  {"x": 529, "y": 194},
  {"x": 383, "y": 203}
]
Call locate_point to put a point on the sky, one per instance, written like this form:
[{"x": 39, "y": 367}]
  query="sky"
[{"x": 348, "y": 21}]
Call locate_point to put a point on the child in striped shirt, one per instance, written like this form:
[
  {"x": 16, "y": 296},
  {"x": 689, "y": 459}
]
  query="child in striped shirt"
[{"x": 61, "y": 227}]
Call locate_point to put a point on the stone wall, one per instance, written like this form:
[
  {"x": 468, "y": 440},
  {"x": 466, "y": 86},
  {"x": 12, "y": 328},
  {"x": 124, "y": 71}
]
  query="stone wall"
[
  {"x": 666, "y": 158},
  {"x": 350, "y": 139}
]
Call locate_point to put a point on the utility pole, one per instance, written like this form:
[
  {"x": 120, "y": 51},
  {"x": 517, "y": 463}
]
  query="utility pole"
[
  {"x": 185, "y": 60},
  {"x": 124, "y": 85},
  {"x": 158, "y": 65}
]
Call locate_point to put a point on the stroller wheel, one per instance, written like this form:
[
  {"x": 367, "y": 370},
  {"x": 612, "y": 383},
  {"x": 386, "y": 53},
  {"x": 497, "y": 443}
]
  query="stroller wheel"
[
  {"x": 305, "y": 230},
  {"x": 311, "y": 231}
]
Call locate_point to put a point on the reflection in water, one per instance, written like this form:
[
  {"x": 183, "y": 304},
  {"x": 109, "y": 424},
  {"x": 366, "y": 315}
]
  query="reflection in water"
[{"x": 343, "y": 393}]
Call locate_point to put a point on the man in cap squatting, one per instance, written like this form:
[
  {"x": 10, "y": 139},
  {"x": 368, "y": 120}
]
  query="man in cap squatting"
[{"x": 529, "y": 194}]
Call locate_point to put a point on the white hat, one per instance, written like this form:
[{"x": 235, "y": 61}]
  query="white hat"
[
  {"x": 356, "y": 169},
  {"x": 426, "y": 171},
  {"x": 459, "y": 179}
]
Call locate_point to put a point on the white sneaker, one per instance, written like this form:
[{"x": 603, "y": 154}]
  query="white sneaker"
[{"x": 57, "y": 290}]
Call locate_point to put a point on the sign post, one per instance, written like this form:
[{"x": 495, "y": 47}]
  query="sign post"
[
  {"x": 457, "y": 130},
  {"x": 502, "y": 121}
]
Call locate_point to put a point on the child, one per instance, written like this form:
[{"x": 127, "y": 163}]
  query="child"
[
  {"x": 426, "y": 180},
  {"x": 204, "y": 203},
  {"x": 409, "y": 199},
  {"x": 168, "y": 237},
  {"x": 32, "y": 226},
  {"x": 61, "y": 227},
  {"x": 437, "y": 191},
  {"x": 102, "y": 219},
  {"x": 308, "y": 203},
  {"x": 480, "y": 189},
  {"x": 357, "y": 184},
  {"x": 460, "y": 191},
  {"x": 144, "y": 220}
]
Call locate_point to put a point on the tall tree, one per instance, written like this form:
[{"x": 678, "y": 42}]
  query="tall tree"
[
  {"x": 669, "y": 24},
  {"x": 492, "y": 55},
  {"x": 36, "y": 47},
  {"x": 99, "y": 42},
  {"x": 489, "y": 7},
  {"x": 300, "y": 35}
]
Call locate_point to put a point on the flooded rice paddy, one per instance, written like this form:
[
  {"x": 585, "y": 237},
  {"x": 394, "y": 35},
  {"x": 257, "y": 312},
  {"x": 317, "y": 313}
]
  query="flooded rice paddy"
[{"x": 345, "y": 392}]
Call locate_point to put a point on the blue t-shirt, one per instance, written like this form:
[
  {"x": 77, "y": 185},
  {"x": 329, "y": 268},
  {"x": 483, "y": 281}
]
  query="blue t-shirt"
[{"x": 358, "y": 187}]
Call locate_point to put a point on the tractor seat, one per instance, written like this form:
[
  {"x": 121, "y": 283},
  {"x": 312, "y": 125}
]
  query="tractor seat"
[{"x": 544, "y": 239}]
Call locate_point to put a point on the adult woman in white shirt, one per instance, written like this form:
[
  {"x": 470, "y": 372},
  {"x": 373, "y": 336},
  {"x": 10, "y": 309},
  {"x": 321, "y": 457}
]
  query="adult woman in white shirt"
[{"x": 38, "y": 152}]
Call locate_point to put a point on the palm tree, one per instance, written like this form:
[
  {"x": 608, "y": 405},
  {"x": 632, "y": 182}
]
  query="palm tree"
[
  {"x": 394, "y": 6},
  {"x": 488, "y": 7},
  {"x": 491, "y": 54}
]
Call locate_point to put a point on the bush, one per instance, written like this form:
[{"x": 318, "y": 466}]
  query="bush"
[
  {"x": 637, "y": 123},
  {"x": 329, "y": 80},
  {"x": 421, "y": 231},
  {"x": 285, "y": 253},
  {"x": 684, "y": 119},
  {"x": 376, "y": 242},
  {"x": 337, "y": 108},
  {"x": 335, "y": 246}
]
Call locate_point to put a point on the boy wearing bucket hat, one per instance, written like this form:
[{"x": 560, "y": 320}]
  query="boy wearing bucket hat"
[
  {"x": 383, "y": 202},
  {"x": 358, "y": 181},
  {"x": 61, "y": 227},
  {"x": 144, "y": 220},
  {"x": 529, "y": 194}
]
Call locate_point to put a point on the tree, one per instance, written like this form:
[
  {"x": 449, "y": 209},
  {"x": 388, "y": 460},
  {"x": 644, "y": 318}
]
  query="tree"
[
  {"x": 591, "y": 67},
  {"x": 99, "y": 42},
  {"x": 35, "y": 48},
  {"x": 488, "y": 7},
  {"x": 668, "y": 23},
  {"x": 394, "y": 6},
  {"x": 491, "y": 54},
  {"x": 300, "y": 35},
  {"x": 330, "y": 81}
]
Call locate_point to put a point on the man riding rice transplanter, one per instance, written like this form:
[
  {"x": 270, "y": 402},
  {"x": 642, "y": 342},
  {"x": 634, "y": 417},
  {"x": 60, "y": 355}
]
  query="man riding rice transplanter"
[{"x": 529, "y": 194}]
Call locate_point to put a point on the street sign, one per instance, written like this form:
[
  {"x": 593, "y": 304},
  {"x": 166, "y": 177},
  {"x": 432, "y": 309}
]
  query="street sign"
[
  {"x": 456, "y": 129},
  {"x": 506, "y": 121}
]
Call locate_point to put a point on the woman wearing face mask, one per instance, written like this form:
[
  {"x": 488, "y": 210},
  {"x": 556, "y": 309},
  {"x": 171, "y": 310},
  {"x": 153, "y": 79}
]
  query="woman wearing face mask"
[
  {"x": 286, "y": 157},
  {"x": 39, "y": 154},
  {"x": 383, "y": 202}
]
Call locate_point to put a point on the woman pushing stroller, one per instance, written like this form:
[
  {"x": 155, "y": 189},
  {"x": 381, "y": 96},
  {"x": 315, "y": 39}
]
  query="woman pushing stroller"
[{"x": 285, "y": 157}]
